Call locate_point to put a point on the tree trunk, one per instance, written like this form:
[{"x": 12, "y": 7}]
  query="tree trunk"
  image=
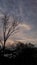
[{"x": 4, "y": 48}]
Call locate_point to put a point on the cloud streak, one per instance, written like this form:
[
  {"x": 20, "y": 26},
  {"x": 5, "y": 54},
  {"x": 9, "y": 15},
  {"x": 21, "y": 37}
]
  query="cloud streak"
[{"x": 25, "y": 26}]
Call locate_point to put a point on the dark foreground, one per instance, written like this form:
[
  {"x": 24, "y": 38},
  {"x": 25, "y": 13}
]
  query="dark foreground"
[{"x": 21, "y": 55}]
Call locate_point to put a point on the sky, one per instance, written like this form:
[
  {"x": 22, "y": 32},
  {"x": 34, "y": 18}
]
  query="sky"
[{"x": 25, "y": 12}]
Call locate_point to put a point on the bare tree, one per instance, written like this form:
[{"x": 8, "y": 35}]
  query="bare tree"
[{"x": 8, "y": 28}]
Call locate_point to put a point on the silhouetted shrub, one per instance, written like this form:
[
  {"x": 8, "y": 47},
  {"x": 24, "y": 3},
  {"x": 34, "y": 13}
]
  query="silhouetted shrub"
[{"x": 22, "y": 54}]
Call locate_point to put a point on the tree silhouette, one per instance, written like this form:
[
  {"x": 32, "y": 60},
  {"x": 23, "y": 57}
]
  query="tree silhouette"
[
  {"x": 8, "y": 29},
  {"x": 29, "y": 45}
]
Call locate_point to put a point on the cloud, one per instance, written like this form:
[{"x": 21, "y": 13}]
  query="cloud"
[
  {"x": 25, "y": 26},
  {"x": 24, "y": 35}
]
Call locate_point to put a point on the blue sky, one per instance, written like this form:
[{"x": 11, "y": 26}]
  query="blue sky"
[{"x": 25, "y": 11}]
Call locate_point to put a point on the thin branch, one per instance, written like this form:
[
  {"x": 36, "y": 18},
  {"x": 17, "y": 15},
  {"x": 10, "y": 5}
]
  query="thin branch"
[
  {"x": 9, "y": 30},
  {"x": 13, "y": 31}
]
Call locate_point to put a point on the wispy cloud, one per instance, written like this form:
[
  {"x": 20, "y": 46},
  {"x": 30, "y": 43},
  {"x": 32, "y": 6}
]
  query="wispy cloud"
[{"x": 25, "y": 26}]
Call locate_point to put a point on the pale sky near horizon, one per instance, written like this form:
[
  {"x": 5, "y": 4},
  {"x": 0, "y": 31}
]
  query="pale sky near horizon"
[{"x": 25, "y": 11}]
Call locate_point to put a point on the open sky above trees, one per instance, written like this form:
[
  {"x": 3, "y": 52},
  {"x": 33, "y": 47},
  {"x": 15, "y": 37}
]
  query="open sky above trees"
[{"x": 25, "y": 12}]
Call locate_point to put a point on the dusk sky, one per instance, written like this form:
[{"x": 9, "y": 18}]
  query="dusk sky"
[{"x": 25, "y": 12}]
